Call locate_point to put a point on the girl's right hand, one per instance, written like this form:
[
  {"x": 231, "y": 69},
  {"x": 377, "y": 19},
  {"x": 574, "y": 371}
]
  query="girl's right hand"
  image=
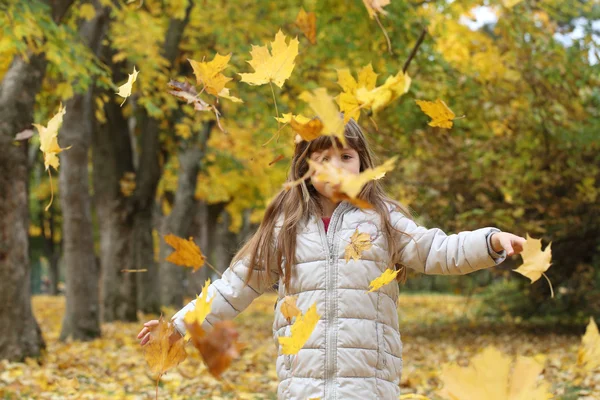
[{"x": 147, "y": 331}]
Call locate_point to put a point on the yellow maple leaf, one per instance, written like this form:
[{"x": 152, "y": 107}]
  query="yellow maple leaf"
[
  {"x": 209, "y": 76},
  {"x": 488, "y": 377},
  {"x": 349, "y": 104},
  {"x": 376, "y": 6},
  {"x": 186, "y": 253},
  {"x": 307, "y": 22},
  {"x": 300, "y": 331},
  {"x": 327, "y": 111},
  {"x": 224, "y": 93},
  {"x": 289, "y": 309},
  {"x": 201, "y": 308},
  {"x": 439, "y": 112},
  {"x": 359, "y": 242},
  {"x": 159, "y": 353},
  {"x": 276, "y": 66},
  {"x": 309, "y": 130},
  {"x": 287, "y": 118},
  {"x": 535, "y": 261},
  {"x": 49, "y": 138},
  {"x": 349, "y": 184},
  {"x": 125, "y": 89},
  {"x": 386, "y": 277},
  {"x": 588, "y": 355},
  {"x": 379, "y": 97}
]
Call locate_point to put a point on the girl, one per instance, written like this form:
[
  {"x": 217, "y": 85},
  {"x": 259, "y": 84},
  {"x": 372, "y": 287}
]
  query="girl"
[{"x": 355, "y": 351}]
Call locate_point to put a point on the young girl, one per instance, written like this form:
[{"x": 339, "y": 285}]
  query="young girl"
[{"x": 355, "y": 351}]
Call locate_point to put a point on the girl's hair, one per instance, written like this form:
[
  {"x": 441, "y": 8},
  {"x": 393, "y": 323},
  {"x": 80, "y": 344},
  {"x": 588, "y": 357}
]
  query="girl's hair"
[{"x": 263, "y": 251}]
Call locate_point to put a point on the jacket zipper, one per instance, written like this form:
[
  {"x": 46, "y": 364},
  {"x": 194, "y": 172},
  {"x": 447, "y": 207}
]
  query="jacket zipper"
[{"x": 328, "y": 239}]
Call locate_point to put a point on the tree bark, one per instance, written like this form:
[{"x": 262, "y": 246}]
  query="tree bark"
[
  {"x": 20, "y": 335},
  {"x": 82, "y": 315},
  {"x": 147, "y": 178},
  {"x": 112, "y": 159},
  {"x": 178, "y": 222}
]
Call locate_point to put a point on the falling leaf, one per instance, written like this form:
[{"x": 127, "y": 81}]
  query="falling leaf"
[
  {"x": 159, "y": 353},
  {"x": 327, "y": 111},
  {"x": 209, "y": 76},
  {"x": 287, "y": 118},
  {"x": 307, "y": 22},
  {"x": 413, "y": 396},
  {"x": 186, "y": 253},
  {"x": 349, "y": 104},
  {"x": 379, "y": 97},
  {"x": 24, "y": 135},
  {"x": 308, "y": 131},
  {"x": 488, "y": 377},
  {"x": 359, "y": 242},
  {"x": 386, "y": 277},
  {"x": 300, "y": 331},
  {"x": 125, "y": 89},
  {"x": 289, "y": 308},
  {"x": 276, "y": 66},
  {"x": 535, "y": 261},
  {"x": 201, "y": 309},
  {"x": 376, "y": 6},
  {"x": 440, "y": 113},
  {"x": 218, "y": 348},
  {"x": 350, "y": 184},
  {"x": 127, "y": 184},
  {"x": 588, "y": 356},
  {"x": 187, "y": 92},
  {"x": 49, "y": 138}
]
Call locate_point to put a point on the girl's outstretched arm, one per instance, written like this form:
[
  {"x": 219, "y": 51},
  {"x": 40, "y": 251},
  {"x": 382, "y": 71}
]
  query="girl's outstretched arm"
[
  {"x": 230, "y": 295},
  {"x": 433, "y": 252}
]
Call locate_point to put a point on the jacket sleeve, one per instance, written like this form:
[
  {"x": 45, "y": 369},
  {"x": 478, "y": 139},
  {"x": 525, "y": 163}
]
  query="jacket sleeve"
[
  {"x": 433, "y": 252},
  {"x": 230, "y": 295}
]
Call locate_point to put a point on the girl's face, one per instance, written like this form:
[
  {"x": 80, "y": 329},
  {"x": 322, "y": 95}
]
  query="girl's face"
[{"x": 346, "y": 158}]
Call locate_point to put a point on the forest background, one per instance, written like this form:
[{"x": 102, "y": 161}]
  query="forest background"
[{"x": 525, "y": 158}]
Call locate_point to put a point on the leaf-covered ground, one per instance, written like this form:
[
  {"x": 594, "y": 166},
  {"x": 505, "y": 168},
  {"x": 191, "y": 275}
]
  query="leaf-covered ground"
[{"x": 435, "y": 329}]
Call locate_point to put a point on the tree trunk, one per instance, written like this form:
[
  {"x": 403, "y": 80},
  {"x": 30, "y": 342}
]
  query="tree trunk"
[
  {"x": 147, "y": 178},
  {"x": 178, "y": 222},
  {"x": 20, "y": 334},
  {"x": 112, "y": 159},
  {"x": 82, "y": 315}
]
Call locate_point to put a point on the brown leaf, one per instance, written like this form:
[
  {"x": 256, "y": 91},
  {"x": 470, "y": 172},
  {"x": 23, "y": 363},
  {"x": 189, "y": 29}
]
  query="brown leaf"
[
  {"x": 218, "y": 347},
  {"x": 159, "y": 353}
]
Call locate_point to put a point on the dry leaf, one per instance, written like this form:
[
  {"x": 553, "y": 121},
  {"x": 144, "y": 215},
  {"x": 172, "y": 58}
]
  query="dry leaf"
[
  {"x": 276, "y": 66},
  {"x": 159, "y": 353},
  {"x": 219, "y": 347},
  {"x": 308, "y": 131},
  {"x": 187, "y": 92},
  {"x": 535, "y": 261},
  {"x": 307, "y": 22},
  {"x": 588, "y": 356},
  {"x": 125, "y": 89},
  {"x": 359, "y": 242},
  {"x": 327, "y": 111},
  {"x": 300, "y": 331},
  {"x": 386, "y": 277},
  {"x": 209, "y": 76},
  {"x": 488, "y": 377},
  {"x": 287, "y": 118},
  {"x": 439, "y": 112},
  {"x": 376, "y": 6},
  {"x": 49, "y": 138},
  {"x": 379, "y": 97},
  {"x": 349, "y": 104},
  {"x": 289, "y": 308},
  {"x": 186, "y": 253},
  {"x": 201, "y": 308}
]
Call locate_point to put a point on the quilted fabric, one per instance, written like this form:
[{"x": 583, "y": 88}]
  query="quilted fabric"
[{"x": 355, "y": 351}]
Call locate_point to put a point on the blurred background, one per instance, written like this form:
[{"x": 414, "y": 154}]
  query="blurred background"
[{"x": 525, "y": 158}]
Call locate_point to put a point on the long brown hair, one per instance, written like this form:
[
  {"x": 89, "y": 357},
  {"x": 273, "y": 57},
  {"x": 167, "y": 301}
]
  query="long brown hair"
[{"x": 263, "y": 251}]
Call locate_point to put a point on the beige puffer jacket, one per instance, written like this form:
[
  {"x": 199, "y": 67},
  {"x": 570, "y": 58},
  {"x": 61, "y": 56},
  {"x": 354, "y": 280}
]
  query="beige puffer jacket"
[{"x": 355, "y": 351}]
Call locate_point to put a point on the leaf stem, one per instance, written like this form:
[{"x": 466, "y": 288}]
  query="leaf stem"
[
  {"x": 51, "y": 191},
  {"x": 387, "y": 38},
  {"x": 549, "y": 283},
  {"x": 213, "y": 268},
  {"x": 275, "y": 102}
]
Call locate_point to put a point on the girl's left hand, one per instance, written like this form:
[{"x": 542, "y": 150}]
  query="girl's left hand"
[{"x": 513, "y": 244}]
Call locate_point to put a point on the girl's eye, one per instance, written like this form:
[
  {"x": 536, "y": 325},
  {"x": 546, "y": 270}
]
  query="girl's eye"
[
  {"x": 324, "y": 159},
  {"x": 346, "y": 156}
]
